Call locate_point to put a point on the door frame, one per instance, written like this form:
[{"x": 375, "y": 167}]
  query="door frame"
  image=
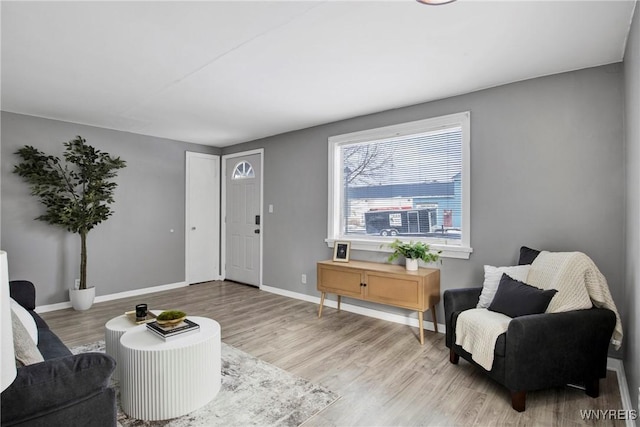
[
  {"x": 187, "y": 242},
  {"x": 223, "y": 210}
]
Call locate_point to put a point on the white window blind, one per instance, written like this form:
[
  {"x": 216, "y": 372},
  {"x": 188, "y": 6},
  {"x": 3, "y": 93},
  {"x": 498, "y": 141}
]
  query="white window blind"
[{"x": 406, "y": 181}]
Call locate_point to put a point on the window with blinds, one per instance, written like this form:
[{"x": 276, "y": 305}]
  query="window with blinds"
[{"x": 407, "y": 181}]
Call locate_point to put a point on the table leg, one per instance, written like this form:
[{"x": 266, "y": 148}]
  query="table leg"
[
  {"x": 321, "y": 304},
  {"x": 339, "y": 300},
  {"x": 420, "y": 323},
  {"x": 433, "y": 316}
]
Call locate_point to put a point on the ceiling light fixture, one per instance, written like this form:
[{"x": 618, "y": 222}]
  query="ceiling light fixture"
[{"x": 435, "y": 2}]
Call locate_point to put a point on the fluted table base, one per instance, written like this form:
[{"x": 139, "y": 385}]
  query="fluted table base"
[
  {"x": 162, "y": 380},
  {"x": 113, "y": 331}
]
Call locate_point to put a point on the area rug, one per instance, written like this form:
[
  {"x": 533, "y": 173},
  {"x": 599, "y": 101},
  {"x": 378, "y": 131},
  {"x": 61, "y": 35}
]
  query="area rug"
[{"x": 253, "y": 393}]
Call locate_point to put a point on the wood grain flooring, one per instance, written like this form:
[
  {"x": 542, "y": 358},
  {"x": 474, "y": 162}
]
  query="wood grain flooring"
[{"x": 384, "y": 376}]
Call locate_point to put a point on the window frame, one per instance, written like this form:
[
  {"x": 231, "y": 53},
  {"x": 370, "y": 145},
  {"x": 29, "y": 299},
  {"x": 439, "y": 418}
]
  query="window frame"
[
  {"x": 335, "y": 180},
  {"x": 244, "y": 175}
]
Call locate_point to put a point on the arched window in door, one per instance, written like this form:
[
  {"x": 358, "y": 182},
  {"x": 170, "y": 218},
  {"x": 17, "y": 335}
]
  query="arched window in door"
[{"x": 243, "y": 170}]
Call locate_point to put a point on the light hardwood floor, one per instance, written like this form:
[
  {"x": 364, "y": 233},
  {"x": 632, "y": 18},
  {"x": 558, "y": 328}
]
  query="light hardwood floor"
[{"x": 383, "y": 374}]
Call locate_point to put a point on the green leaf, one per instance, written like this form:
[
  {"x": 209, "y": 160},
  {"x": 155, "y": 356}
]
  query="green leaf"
[
  {"x": 76, "y": 194},
  {"x": 411, "y": 250}
]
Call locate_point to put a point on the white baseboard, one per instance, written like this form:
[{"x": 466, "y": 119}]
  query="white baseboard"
[
  {"x": 111, "y": 297},
  {"x": 410, "y": 319},
  {"x": 53, "y": 307},
  {"x": 617, "y": 366}
]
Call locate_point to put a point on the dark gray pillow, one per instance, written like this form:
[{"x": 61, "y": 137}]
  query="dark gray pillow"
[
  {"x": 515, "y": 298},
  {"x": 527, "y": 255}
]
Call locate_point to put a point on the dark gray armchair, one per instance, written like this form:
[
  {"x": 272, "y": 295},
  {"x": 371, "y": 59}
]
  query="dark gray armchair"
[{"x": 542, "y": 350}]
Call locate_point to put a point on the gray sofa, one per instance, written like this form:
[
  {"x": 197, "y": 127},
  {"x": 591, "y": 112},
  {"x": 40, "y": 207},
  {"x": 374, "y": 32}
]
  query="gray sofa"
[{"x": 64, "y": 390}]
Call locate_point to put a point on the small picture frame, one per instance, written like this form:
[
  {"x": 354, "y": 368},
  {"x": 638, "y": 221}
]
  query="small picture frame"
[{"x": 341, "y": 251}]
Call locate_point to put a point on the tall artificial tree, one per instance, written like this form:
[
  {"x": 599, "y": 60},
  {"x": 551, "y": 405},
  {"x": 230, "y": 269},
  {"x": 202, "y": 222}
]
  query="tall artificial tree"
[{"x": 76, "y": 193}]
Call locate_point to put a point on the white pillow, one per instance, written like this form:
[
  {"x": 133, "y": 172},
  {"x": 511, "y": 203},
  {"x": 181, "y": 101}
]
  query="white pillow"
[
  {"x": 26, "y": 319},
  {"x": 26, "y": 352},
  {"x": 492, "y": 276}
]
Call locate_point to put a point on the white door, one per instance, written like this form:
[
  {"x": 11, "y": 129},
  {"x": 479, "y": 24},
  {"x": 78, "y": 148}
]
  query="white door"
[
  {"x": 243, "y": 187},
  {"x": 203, "y": 218}
]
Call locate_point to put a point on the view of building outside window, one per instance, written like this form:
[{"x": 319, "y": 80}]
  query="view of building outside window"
[{"x": 407, "y": 185}]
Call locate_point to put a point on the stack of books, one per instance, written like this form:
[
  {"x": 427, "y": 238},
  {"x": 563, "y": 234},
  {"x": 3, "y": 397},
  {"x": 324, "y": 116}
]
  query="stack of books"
[{"x": 169, "y": 332}]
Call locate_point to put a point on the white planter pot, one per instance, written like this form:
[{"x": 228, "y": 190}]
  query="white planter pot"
[
  {"x": 411, "y": 264},
  {"x": 82, "y": 299}
]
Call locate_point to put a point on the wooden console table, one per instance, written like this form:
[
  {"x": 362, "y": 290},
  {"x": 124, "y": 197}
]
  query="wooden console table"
[{"x": 382, "y": 283}]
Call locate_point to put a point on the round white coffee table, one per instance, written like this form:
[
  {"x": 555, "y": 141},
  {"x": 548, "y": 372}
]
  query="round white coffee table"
[
  {"x": 113, "y": 330},
  {"x": 167, "y": 379}
]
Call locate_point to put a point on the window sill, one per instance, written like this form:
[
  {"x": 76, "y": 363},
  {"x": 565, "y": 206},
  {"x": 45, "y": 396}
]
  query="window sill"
[{"x": 448, "y": 251}]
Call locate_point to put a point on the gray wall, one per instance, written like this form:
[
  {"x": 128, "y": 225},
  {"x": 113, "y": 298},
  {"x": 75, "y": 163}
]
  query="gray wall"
[
  {"x": 546, "y": 171},
  {"x": 631, "y": 294},
  {"x": 134, "y": 249}
]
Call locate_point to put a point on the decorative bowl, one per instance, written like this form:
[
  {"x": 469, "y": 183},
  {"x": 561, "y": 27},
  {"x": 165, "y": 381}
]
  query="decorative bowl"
[
  {"x": 171, "y": 317},
  {"x": 170, "y": 322}
]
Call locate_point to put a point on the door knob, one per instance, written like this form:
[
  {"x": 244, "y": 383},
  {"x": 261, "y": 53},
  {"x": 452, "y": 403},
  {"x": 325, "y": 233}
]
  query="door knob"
[
  {"x": 257, "y": 231},
  {"x": 193, "y": 228}
]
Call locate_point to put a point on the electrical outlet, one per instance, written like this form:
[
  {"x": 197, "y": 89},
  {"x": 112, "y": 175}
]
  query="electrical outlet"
[
  {"x": 76, "y": 284},
  {"x": 304, "y": 279}
]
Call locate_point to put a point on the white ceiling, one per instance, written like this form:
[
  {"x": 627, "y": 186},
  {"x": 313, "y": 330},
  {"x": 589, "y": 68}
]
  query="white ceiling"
[{"x": 220, "y": 73}]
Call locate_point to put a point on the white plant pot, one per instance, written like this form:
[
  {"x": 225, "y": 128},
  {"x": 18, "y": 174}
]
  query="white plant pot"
[
  {"x": 82, "y": 299},
  {"x": 411, "y": 264}
]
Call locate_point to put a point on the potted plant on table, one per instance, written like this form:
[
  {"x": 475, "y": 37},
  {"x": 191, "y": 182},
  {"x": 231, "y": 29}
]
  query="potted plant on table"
[
  {"x": 76, "y": 195},
  {"x": 412, "y": 252}
]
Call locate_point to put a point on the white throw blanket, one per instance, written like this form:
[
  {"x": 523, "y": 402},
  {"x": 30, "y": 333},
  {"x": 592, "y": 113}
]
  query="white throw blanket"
[
  {"x": 477, "y": 331},
  {"x": 579, "y": 284},
  {"x": 573, "y": 274}
]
